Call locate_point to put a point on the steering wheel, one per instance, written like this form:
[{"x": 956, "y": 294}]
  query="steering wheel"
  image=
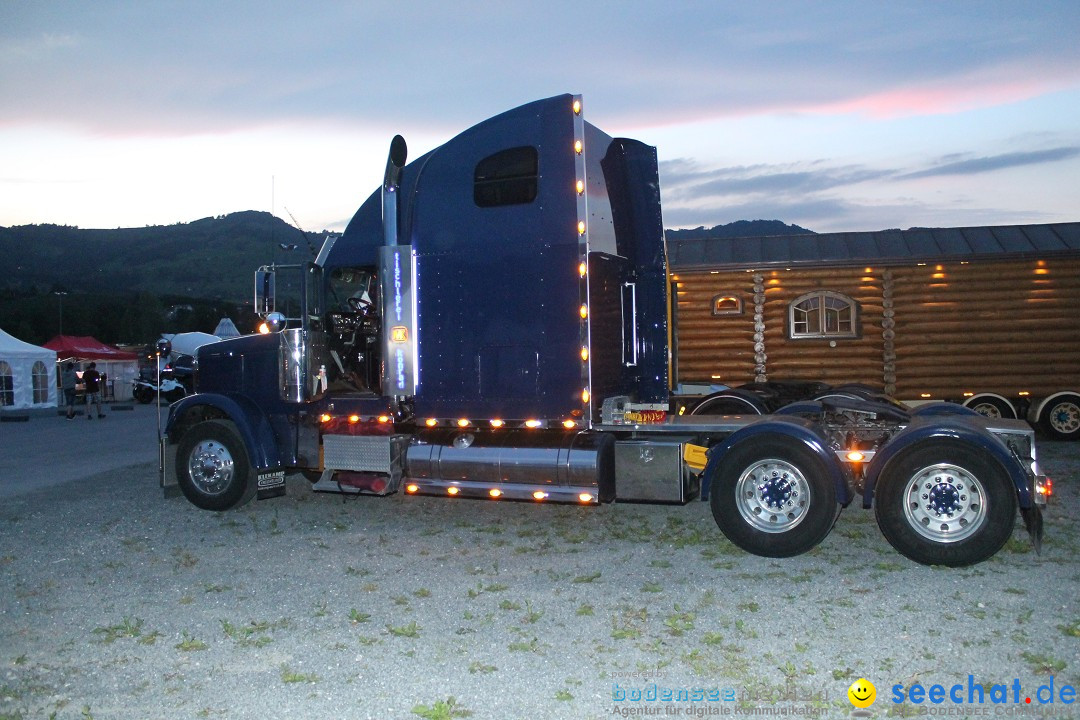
[{"x": 359, "y": 304}]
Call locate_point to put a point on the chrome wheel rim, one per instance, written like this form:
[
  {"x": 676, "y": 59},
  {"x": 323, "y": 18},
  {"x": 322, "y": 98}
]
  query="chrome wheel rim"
[
  {"x": 211, "y": 467},
  {"x": 1065, "y": 418},
  {"x": 772, "y": 496},
  {"x": 987, "y": 409},
  {"x": 944, "y": 503}
]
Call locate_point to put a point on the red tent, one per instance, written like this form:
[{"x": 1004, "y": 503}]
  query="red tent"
[{"x": 86, "y": 348}]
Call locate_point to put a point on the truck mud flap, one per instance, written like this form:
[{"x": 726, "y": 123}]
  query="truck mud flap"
[{"x": 1033, "y": 522}]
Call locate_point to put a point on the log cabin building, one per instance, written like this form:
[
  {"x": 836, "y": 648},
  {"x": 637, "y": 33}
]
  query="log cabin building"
[{"x": 985, "y": 316}]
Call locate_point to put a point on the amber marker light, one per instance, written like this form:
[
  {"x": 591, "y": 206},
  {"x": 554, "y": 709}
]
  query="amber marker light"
[
  {"x": 585, "y": 395},
  {"x": 453, "y": 490},
  {"x": 411, "y": 488},
  {"x": 569, "y": 424},
  {"x": 384, "y": 419},
  {"x": 463, "y": 422},
  {"x": 585, "y": 497},
  {"x": 539, "y": 495},
  {"x": 497, "y": 423},
  {"x": 354, "y": 418},
  {"x": 431, "y": 422},
  {"x": 924, "y": 395},
  {"x": 969, "y": 394},
  {"x": 584, "y": 354},
  {"x": 581, "y": 227},
  {"x": 532, "y": 423},
  {"x": 584, "y": 311},
  {"x": 582, "y": 268},
  {"x": 495, "y": 492},
  {"x": 580, "y": 187},
  {"x": 264, "y": 329},
  {"x": 855, "y": 456},
  {"x": 578, "y": 146},
  {"x": 1023, "y": 393},
  {"x": 325, "y": 418},
  {"x": 399, "y": 334},
  {"x": 577, "y": 107}
]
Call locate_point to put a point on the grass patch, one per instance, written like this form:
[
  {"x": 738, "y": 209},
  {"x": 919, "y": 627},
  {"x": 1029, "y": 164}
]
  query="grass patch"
[
  {"x": 412, "y": 630},
  {"x": 291, "y": 676},
  {"x": 442, "y": 710},
  {"x": 586, "y": 578},
  {"x": 126, "y": 628},
  {"x": 190, "y": 644},
  {"x": 478, "y": 667}
]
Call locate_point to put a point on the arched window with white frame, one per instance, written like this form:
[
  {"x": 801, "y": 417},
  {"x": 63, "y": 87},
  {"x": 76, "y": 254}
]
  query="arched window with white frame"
[
  {"x": 39, "y": 378},
  {"x": 823, "y": 314}
]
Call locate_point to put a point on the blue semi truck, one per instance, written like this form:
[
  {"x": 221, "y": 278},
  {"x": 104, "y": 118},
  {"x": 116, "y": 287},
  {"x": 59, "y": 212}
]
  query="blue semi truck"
[{"x": 495, "y": 323}]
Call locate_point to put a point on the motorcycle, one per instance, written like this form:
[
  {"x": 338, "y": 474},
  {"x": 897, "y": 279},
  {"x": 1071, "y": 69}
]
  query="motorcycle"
[{"x": 145, "y": 388}]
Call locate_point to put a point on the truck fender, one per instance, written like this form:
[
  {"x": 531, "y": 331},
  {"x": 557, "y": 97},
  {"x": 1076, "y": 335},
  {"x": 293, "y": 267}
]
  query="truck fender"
[
  {"x": 251, "y": 423},
  {"x": 946, "y": 427},
  {"x": 802, "y": 429}
]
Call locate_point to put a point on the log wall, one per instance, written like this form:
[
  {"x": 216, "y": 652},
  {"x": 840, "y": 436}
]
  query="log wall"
[{"x": 926, "y": 329}]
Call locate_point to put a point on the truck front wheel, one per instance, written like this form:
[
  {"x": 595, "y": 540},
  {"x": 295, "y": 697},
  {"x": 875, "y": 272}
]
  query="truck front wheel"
[
  {"x": 773, "y": 496},
  {"x": 212, "y": 467},
  {"x": 943, "y": 503}
]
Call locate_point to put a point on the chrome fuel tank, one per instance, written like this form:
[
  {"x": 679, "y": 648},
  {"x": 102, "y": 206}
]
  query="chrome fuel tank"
[{"x": 498, "y": 458}]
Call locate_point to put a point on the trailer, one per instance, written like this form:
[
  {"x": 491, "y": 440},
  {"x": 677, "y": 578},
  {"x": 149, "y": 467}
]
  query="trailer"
[
  {"x": 981, "y": 316},
  {"x": 496, "y": 323}
]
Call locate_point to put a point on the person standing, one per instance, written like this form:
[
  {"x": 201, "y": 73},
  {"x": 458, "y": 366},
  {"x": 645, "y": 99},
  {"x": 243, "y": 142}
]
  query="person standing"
[
  {"x": 68, "y": 381},
  {"x": 92, "y": 380}
]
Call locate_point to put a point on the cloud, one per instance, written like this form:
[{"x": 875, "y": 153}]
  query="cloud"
[{"x": 951, "y": 165}]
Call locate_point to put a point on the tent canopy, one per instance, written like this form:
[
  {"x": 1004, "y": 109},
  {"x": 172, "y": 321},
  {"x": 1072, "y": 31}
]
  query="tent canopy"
[
  {"x": 86, "y": 348},
  {"x": 27, "y": 375},
  {"x": 187, "y": 343},
  {"x": 226, "y": 328}
]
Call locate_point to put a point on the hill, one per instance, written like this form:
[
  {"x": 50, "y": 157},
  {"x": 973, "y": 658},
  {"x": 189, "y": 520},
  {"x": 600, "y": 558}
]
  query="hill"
[
  {"x": 211, "y": 258},
  {"x": 741, "y": 228}
]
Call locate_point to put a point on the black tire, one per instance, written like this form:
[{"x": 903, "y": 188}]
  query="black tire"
[
  {"x": 730, "y": 402},
  {"x": 772, "y": 496},
  {"x": 143, "y": 394},
  {"x": 942, "y": 502},
  {"x": 992, "y": 407},
  {"x": 212, "y": 467},
  {"x": 1060, "y": 419}
]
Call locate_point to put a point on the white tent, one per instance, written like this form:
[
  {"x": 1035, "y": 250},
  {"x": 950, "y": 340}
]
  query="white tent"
[
  {"x": 187, "y": 343},
  {"x": 27, "y": 375},
  {"x": 226, "y": 328}
]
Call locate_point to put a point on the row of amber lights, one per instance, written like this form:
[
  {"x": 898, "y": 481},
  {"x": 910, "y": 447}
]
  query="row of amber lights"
[
  {"x": 583, "y": 244},
  {"x": 460, "y": 422},
  {"x": 496, "y": 493}
]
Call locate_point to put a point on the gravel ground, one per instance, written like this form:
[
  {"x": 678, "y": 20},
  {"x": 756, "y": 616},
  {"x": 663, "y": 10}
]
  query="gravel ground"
[{"x": 117, "y": 603}]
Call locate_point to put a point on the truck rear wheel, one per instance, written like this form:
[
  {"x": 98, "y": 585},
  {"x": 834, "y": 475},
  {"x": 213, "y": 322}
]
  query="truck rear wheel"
[
  {"x": 945, "y": 503},
  {"x": 1060, "y": 418},
  {"x": 212, "y": 467},
  {"x": 773, "y": 496}
]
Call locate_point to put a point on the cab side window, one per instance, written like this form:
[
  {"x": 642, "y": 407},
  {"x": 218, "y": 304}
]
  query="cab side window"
[{"x": 509, "y": 177}]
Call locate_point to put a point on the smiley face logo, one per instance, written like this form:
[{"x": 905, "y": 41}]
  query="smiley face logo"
[{"x": 862, "y": 693}]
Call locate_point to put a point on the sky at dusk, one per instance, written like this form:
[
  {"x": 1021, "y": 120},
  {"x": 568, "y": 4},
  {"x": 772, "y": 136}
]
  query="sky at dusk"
[{"x": 832, "y": 115}]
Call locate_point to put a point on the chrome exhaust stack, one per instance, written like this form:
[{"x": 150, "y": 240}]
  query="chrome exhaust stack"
[{"x": 395, "y": 161}]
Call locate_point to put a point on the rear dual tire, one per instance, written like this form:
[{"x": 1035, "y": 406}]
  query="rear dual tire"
[
  {"x": 945, "y": 503},
  {"x": 772, "y": 496}
]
